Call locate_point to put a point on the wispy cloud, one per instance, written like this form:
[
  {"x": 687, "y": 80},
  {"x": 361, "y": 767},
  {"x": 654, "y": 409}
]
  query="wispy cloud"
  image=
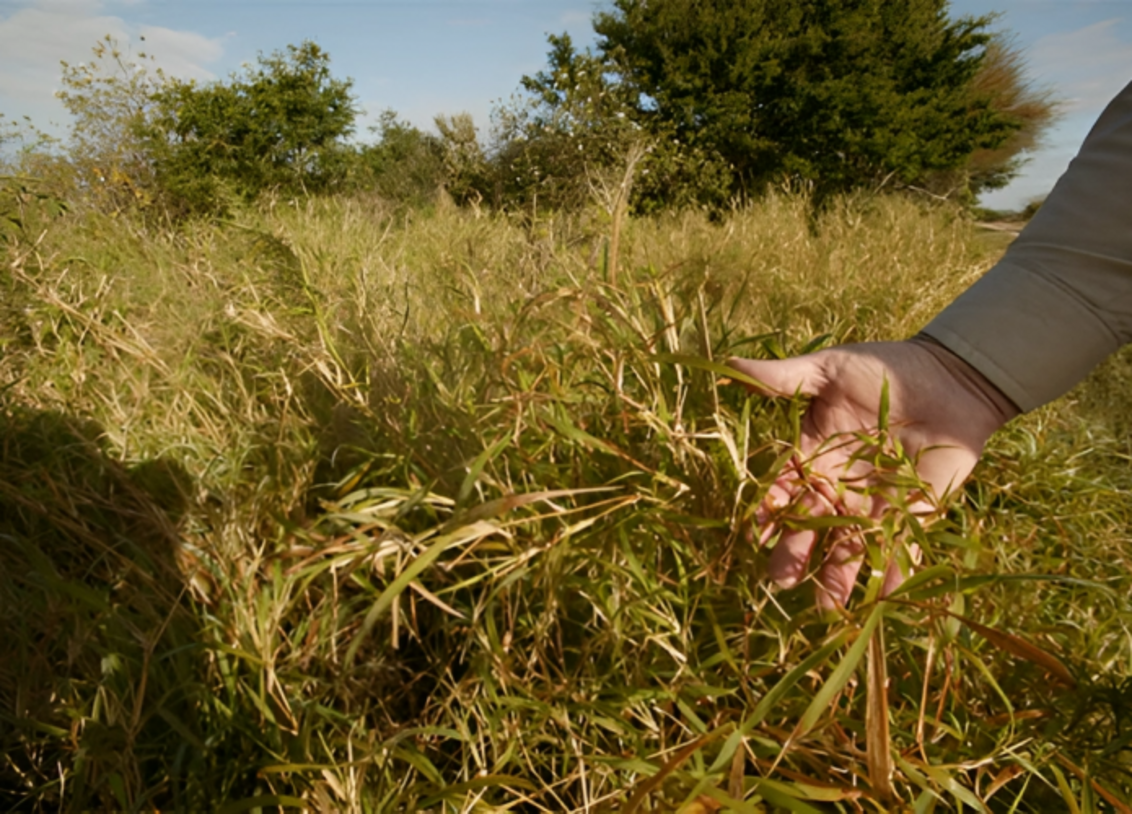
[
  {"x": 468, "y": 22},
  {"x": 575, "y": 17},
  {"x": 1087, "y": 66},
  {"x": 36, "y": 37}
]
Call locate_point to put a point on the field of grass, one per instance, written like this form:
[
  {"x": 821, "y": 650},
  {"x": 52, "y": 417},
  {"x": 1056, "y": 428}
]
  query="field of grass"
[{"x": 341, "y": 507}]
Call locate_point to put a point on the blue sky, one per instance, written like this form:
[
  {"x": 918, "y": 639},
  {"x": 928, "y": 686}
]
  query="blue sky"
[{"x": 423, "y": 57}]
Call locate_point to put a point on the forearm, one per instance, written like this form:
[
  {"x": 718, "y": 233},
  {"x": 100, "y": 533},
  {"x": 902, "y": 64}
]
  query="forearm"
[{"x": 1060, "y": 300}]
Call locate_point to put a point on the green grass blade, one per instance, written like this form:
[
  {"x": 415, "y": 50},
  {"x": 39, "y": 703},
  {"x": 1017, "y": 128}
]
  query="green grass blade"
[{"x": 837, "y": 680}]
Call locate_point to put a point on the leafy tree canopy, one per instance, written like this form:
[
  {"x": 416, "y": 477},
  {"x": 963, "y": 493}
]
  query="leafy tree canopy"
[
  {"x": 280, "y": 125},
  {"x": 574, "y": 133},
  {"x": 838, "y": 93}
]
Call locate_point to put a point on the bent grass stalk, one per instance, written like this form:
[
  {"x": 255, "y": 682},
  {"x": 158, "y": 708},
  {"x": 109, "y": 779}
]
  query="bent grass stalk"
[{"x": 371, "y": 512}]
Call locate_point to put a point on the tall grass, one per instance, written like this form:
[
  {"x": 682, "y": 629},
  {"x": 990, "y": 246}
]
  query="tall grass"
[{"x": 346, "y": 508}]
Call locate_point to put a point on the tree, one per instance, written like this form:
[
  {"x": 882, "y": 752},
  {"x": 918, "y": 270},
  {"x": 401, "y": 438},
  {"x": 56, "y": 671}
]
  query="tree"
[
  {"x": 278, "y": 126},
  {"x": 576, "y": 128},
  {"x": 466, "y": 174},
  {"x": 405, "y": 164},
  {"x": 110, "y": 100},
  {"x": 567, "y": 123},
  {"x": 1002, "y": 77},
  {"x": 837, "y": 93}
]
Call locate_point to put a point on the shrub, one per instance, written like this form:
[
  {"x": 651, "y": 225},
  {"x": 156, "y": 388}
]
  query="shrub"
[
  {"x": 296, "y": 508},
  {"x": 279, "y": 126},
  {"x": 111, "y": 100},
  {"x": 405, "y": 165}
]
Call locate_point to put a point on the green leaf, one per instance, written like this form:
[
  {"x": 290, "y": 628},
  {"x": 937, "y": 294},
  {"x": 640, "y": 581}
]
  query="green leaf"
[
  {"x": 882, "y": 413},
  {"x": 774, "y": 696},
  {"x": 477, "y": 466},
  {"x": 837, "y": 680},
  {"x": 700, "y": 363},
  {"x": 475, "y": 531},
  {"x": 486, "y": 782}
]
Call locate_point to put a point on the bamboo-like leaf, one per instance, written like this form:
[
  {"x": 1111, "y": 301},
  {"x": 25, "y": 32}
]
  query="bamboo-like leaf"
[
  {"x": 780, "y": 795},
  {"x": 827, "y": 521},
  {"x": 1007, "y": 774},
  {"x": 878, "y": 746},
  {"x": 882, "y": 412},
  {"x": 815, "y": 344},
  {"x": 946, "y": 780},
  {"x": 508, "y": 503},
  {"x": 718, "y": 368},
  {"x": 478, "y": 464},
  {"x": 647, "y": 786},
  {"x": 1017, "y": 646},
  {"x": 568, "y": 429},
  {"x": 928, "y": 575},
  {"x": 486, "y": 782},
  {"x": 1066, "y": 792},
  {"x": 784, "y": 796},
  {"x": 701, "y": 805},
  {"x": 476, "y": 531},
  {"x": 837, "y": 680},
  {"x": 1121, "y": 807},
  {"x": 774, "y": 696},
  {"x": 728, "y": 801},
  {"x": 969, "y": 584}
]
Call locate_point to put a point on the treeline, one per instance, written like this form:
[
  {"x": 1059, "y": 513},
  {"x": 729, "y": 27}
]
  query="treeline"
[{"x": 682, "y": 103}]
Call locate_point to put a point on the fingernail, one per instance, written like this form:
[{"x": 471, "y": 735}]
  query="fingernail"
[{"x": 785, "y": 582}]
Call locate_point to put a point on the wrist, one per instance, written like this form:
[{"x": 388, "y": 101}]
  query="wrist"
[{"x": 997, "y": 407}]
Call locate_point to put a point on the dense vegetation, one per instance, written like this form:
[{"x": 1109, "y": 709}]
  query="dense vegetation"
[
  {"x": 842, "y": 95},
  {"x": 404, "y": 476},
  {"x": 701, "y": 104},
  {"x": 337, "y": 506}
]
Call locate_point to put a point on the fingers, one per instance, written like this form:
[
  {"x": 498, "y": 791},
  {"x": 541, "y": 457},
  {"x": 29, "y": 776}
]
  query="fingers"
[
  {"x": 835, "y": 579},
  {"x": 791, "y": 499},
  {"x": 780, "y": 377},
  {"x": 790, "y": 557},
  {"x": 895, "y": 574},
  {"x": 838, "y": 574},
  {"x": 789, "y": 561},
  {"x": 800, "y": 497}
]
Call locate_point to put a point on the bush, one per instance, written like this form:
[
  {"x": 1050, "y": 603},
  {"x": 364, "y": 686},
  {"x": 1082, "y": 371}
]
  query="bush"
[
  {"x": 572, "y": 132},
  {"x": 405, "y": 165},
  {"x": 277, "y": 127},
  {"x": 111, "y": 99}
]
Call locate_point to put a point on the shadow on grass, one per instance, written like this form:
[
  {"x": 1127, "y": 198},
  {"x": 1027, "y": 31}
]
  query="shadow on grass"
[{"x": 99, "y": 661}]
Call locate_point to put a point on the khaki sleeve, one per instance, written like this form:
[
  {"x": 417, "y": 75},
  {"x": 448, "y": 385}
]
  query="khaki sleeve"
[{"x": 1060, "y": 300}]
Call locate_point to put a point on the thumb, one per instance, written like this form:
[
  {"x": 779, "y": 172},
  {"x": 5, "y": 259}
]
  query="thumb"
[{"x": 781, "y": 377}]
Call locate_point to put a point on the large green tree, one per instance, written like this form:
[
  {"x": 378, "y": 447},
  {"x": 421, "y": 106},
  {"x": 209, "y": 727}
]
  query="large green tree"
[{"x": 837, "y": 93}]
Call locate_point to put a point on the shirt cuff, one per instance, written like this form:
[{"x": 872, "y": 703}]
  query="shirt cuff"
[{"x": 1027, "y": 331}]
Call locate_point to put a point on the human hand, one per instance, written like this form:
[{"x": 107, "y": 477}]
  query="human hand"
[{"x": 941, "y": 412}]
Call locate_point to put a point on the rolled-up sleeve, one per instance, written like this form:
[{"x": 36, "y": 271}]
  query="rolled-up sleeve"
[{"x": 1060, "y": 300}]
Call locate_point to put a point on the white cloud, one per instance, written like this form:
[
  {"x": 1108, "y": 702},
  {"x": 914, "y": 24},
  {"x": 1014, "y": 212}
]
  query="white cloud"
[
  {"x": 182, "y": 53},
  {"x": 575, "y": 17},
  {"x": 468, "y": 22},
  {"x": 34, "y": 38},
  {"x": 1087, "y": 67}
]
